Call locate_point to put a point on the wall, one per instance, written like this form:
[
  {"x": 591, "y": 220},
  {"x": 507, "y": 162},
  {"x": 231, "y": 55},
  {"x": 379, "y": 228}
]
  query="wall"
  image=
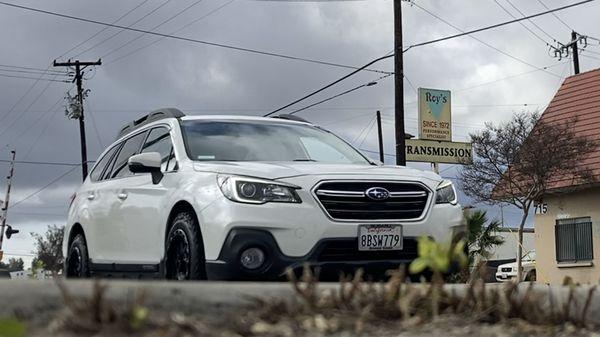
[
  {"x": 568, "y": 205},
  {"x": 508, "y": 250}
]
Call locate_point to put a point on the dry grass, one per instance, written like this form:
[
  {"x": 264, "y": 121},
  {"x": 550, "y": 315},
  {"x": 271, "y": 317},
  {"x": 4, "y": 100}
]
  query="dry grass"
[
  {"x": 356, "y": 308},
  {"x": 359, "y": 307}
]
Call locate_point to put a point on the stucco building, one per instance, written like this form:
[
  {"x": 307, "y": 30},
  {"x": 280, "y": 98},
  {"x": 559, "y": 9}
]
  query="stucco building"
[{"x": 567, "y": 220}]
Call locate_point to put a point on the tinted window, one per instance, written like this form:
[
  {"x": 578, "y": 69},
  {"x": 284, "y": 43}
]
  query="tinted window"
[
  {"x": 159, "y": 140},
  {"x": 99, "y": 168},
  {"x": 265, "y": 141},
  {"x": 131, "y": 147}
]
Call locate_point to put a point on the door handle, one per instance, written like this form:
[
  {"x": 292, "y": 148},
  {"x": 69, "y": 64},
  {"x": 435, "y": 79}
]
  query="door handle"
[
  {"x": 122, "y": 196},
  {"x": 91, "y": 196}
]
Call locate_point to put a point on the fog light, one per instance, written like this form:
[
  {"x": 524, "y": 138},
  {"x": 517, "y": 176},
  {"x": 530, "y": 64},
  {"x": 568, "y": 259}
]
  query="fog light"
[{"x": 252, "y": 258}]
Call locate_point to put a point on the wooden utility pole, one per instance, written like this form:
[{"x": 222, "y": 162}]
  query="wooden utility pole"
[
  {"x": 380, "y": 137},
  {"x": 79, "y": 67},
  {"x": 574, "y": 45},
  {"x": 6, "y": 200},
  {"x": 564, "y": 50},
  {"x": 399, "y": 85}
]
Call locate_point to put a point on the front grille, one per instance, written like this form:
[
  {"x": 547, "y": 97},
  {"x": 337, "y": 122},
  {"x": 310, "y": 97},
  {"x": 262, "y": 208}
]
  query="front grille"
[
  {"x": 506, "y": 270},
  {"x": 348, "y": 200},
  {"x": 347, "y": 250}
]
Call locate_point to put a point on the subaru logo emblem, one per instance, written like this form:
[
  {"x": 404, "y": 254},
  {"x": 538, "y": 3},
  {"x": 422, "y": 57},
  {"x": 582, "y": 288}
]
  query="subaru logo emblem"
[{"x": 377, "y": 193}]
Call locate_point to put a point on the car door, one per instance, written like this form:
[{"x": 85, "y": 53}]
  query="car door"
[
  {"x": 144, "y": 209},
  {"x": 114, "y": 224},
  {"x": 94, "y": 209}
]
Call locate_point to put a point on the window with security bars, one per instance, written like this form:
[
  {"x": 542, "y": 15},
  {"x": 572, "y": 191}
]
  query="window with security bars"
[{"x": 574, "y": 240}]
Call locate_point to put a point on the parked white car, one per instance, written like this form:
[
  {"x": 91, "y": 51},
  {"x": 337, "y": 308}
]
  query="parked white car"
[
  {"x": 244, "y": 198},
  {"x": 508, "y": 271}
]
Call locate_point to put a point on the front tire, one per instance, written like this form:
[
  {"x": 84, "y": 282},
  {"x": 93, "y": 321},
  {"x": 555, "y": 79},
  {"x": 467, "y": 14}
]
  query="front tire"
[
  {"x": 184, "y": 249},
  {"x": 78, "y": 263}
]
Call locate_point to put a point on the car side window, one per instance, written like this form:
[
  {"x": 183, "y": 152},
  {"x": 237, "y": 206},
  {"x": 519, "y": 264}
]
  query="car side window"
[
  {"x": 129, "y": 148},
  {"x": 159, "y": 140},
  {"x": 102, "y": 163}
]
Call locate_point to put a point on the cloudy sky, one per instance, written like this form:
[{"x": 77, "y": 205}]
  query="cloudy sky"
[{"x": 491, "y": 74}]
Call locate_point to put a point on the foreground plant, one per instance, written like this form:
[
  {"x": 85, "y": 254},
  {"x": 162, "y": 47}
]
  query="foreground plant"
[{"x": 438, "y": 258}]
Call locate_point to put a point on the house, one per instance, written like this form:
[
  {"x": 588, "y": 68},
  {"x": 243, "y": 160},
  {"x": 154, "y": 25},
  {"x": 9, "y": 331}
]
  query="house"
[{"x": 567, "y": 220}]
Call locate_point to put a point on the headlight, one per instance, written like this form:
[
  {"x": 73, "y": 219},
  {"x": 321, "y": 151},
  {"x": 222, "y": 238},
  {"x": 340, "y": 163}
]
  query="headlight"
[
  {"x": 256, "y": 191},
  {"x": 445, "y": 193}
]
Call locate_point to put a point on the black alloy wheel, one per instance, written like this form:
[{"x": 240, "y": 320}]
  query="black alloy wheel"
[
  {"x": 184, "y": 249},
  {"x": 77, "y": 259}
]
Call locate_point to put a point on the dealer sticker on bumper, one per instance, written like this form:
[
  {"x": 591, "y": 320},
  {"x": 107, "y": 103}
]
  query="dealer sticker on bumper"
[{"x": 380, "y": 237}]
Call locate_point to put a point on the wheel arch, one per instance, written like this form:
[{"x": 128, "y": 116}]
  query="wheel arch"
[
  {"x": 77, "y": 228},
  {"x": 180, "y": 206}
]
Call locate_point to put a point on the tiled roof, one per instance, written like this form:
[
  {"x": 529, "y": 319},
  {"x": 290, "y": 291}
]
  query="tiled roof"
[{"x": 578, "y": 100}]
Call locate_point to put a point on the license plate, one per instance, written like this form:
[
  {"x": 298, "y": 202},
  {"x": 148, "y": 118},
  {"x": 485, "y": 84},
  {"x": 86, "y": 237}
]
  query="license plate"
[{"x": 380, "y": 237}]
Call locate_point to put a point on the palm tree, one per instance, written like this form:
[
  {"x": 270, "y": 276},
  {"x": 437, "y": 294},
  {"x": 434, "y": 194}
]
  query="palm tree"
[{"x": 482, "y": 238}]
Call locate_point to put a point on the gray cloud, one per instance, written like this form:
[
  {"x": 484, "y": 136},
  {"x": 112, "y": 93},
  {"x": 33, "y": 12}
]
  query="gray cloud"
[{"x": 211, "y": 80}]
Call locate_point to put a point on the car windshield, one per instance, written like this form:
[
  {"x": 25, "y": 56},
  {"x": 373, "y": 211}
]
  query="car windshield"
[
  {"x": 265, "y": 141},
  {"x": 530, "y": 256}
]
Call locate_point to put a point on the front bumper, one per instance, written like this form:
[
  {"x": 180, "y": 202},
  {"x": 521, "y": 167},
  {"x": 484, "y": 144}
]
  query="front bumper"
[
  {"x": 329, "y": 258},
  {"x": 505, "y": 276}
]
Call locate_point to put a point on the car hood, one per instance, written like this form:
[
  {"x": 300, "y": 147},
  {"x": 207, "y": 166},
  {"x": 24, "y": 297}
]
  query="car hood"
[{"x": 283, "y": 170}]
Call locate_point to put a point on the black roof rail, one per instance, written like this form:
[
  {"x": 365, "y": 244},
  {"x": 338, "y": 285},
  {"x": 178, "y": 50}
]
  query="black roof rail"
[
  {"x": 291, "y": 118},
  {"x": 151, "y": 117}
]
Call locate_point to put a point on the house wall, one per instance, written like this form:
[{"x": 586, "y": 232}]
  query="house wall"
[{"x": 563, "y": 206}]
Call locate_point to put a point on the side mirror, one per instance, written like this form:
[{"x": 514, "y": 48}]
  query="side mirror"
[{"x": 148, "y": 162}]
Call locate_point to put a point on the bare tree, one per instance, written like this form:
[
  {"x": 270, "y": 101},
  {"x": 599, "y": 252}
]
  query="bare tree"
[
  {"x": 517, "y": 161},
  {"x": 48, "y": 248}
]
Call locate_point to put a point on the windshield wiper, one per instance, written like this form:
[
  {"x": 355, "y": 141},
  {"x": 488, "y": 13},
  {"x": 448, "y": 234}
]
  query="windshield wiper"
[{"x": 304, "y": 159}]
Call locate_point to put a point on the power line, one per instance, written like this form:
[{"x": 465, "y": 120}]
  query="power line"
[
  {"x": 329, "y": 85},
  {"x": 122, "y": 29},
  {"x": 29, "y": 106},
  {"x": 16, "y": 138},
  {"x": 45, "y": 187},
  {"x": 41, "y": 163},
  {"x": 153, "y": 28},
  {"x": 34, "y": 78},
  {"x": 34, "y": 69},
  {"x": 494, "y": 25},
  {"x": 531, "y": 21},
  {"x": 368, "y": 84},
  {"x": 171, "y": 33},
  {"x": 44, "y": 128},
  {"x": 556, "y": 16},
  {"x": 103, "y": 29},
  {"x": 509, "y": 77},
  {"x": 214, "y": 44},
  {"x": 34, "y": 72},
  {"x": 480, "y": 40},
  {"x": 521, "y": 23}
]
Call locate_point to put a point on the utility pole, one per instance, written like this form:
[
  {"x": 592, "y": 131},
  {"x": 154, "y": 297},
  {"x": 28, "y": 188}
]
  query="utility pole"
[
  {"x": 399, "y": 85},
  {"x": 380, "y": 137},
  {"x": 575, "y": 52},
  {"x": 564, "y": 50},
  {"x": 6, "y": 200},
  {"x": 79, "y": 67}
]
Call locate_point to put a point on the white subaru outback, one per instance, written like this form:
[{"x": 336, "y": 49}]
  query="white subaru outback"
[{"x": 244, "y": 198}]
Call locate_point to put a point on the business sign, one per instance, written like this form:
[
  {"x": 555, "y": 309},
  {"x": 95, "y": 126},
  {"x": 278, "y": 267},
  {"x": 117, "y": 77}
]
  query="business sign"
[
  {"x": 435, "y": 121},
  {"x": 438, "y": 152}
]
